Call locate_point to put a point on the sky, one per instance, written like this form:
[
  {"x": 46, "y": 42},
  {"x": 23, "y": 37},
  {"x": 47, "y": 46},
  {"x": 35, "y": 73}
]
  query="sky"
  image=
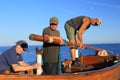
[{"x": 20, "y": 18}]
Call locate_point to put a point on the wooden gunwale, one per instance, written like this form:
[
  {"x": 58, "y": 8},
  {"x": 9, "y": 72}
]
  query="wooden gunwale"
[{"x": 109, "y": 73}]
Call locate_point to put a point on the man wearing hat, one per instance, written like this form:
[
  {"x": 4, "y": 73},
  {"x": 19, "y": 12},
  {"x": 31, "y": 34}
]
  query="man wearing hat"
[
  {"x": 79, "y": 25},
  {"x": 50, "y": 50},
  {"x": 11, "y": 60}
]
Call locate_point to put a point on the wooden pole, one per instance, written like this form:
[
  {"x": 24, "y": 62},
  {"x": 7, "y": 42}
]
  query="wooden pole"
[{"x": 36, "y": 37}]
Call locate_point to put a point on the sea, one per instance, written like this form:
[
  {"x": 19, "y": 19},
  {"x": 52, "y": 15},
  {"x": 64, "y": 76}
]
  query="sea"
[{"x": 30, "y": 57}]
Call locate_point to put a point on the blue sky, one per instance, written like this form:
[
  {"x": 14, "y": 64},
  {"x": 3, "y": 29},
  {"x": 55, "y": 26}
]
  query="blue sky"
[{"x": 20, "y": 18}]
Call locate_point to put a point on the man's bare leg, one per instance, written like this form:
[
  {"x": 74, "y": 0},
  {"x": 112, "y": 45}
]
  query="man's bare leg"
[{"x": 73, "y": 53}]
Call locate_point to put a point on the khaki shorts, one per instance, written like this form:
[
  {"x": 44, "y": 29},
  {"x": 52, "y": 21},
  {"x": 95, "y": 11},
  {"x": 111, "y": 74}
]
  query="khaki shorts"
[{"x": 70, "y": 31}]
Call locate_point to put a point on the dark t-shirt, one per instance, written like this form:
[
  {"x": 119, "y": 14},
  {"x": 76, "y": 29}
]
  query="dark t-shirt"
[
  {"x": 51, "y": 51},
  {"x": 8, "y": 58},
  {"x": 77, "y": 22}
]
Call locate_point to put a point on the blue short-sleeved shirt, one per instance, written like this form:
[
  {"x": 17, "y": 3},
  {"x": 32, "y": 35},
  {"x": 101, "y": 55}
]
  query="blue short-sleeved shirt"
[{"x": 8, "y": 58}]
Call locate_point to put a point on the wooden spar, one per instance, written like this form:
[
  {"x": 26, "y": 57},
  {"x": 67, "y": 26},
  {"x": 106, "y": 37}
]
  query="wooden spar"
[
  {"x": 36, "y": 37},
  {"x": 44, "y": 39}
]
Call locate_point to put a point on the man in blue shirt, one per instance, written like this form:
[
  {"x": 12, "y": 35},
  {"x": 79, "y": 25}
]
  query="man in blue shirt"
[{"x": 12, "y": 60}]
